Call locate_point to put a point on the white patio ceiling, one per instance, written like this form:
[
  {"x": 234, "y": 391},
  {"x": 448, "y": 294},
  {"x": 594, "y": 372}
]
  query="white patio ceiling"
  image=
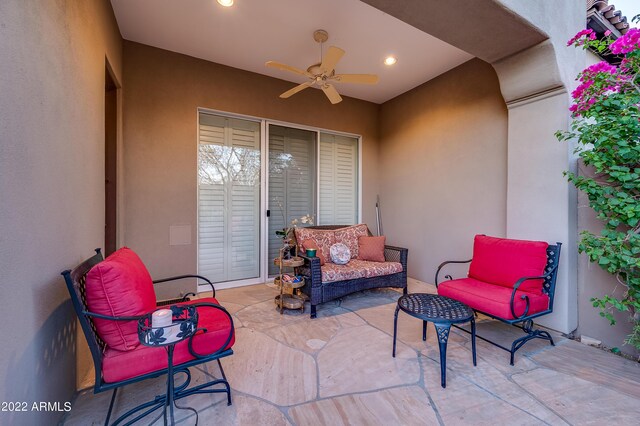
[{"x": 252, "y": 32}]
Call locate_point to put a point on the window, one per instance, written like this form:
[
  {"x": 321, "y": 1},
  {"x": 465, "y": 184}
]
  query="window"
[{"x": 338, "y": 186}]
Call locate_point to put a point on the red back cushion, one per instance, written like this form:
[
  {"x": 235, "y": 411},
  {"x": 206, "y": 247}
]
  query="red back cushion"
[
  {"x": 503, "y": 261},
  {"x": 120, "y": 286},
  {"x": 311, "y": 244},
  {"x": 371, "y": 248}
]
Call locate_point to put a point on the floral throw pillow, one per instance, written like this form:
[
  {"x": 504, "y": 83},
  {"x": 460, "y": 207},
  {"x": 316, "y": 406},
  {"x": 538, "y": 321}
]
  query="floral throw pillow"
[{"x": 340, "y": 254}]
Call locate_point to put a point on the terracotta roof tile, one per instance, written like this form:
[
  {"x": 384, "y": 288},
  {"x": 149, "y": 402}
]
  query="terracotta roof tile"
[{"x": 608, "y": 12}]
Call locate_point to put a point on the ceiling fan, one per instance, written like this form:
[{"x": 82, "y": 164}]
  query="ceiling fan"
[{"x": 323, "y": 74}]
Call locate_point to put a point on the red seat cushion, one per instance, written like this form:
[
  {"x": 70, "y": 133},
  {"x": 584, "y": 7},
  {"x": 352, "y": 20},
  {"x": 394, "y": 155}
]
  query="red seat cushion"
[
  {"x": 503, "y": 261},
  {"x": 121, "y": 365},
  {"x": 120, "y": 286},
  {"x": 492, "y": 299},
  {"x": 358, "y": 269}
]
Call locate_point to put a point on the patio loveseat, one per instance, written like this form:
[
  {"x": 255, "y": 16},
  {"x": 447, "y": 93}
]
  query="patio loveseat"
[{"x": 330, "y": 281}]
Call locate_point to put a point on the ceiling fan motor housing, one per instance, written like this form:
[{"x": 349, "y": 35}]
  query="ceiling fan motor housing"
[{"x": 320, "y": 36}]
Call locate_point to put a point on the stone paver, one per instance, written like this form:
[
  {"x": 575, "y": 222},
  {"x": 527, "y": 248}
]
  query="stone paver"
[
  {"x": 397, "y": 406},
  {"x": 594, "y": 365},
  {"x": 338, "y": 369},
  {"x": 359, "y": 359},
  {"x": 265, "y": 368},
  {"x": 579, "y": 401}
]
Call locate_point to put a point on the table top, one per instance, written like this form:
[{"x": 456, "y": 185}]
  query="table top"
[
  {"x": 434, "y": 308},
  {"x": 184, "y": 324}
]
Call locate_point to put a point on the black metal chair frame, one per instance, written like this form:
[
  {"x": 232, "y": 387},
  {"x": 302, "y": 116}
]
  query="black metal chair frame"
[
  {"x": 75, "y": 280},
  {"x": 320, "y": 292},
  {"x": 524, "y": 321}
]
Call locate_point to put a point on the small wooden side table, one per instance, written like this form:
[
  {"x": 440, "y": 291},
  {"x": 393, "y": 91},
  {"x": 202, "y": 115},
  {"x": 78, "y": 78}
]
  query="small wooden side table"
[{"x": 284, "y": 300}]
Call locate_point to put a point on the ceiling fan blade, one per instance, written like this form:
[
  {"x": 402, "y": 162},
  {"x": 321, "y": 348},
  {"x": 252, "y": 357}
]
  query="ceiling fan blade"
[
  {"x": 296, "y": 89},
  {"x": 356, "y": 78},
  {"x": 331, "y": 93},
  {"x": 331, "y": 58},
  {"x": 285, "y": 67}
]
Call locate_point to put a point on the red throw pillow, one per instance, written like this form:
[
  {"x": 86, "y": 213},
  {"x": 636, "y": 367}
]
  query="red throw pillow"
[
  {"x": 371, "y": 248},
  {"x": 311, "y": 244},
  {"x": 503, "y": 261},
  {"x": 120, "y": 286}
]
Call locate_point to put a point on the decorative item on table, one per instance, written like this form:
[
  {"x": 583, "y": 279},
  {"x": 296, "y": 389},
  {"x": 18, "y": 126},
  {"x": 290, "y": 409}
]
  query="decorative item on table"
[
  {"x": 311, "y": 252},
  {"x": 287, "y": 233},
  {"x": 286, "y": 278},
  {"x": 166, "y": 326}
]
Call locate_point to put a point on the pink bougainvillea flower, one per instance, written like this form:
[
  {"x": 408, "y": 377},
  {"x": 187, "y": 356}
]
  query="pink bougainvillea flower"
[
  {"x": 578, "y": 38},
  {"x": 607, "y": 33},
  {"x": 601, "y": 67},
  {"x": 627, "y": 43}
]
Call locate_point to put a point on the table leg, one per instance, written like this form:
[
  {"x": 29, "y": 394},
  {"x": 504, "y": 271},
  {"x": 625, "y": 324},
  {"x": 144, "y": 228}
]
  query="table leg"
[
  {"x": 424, "y": 331},
  {"x": 395, "y": 330},
  {"x": 443, "y": 336},
  {"x": 473, "y": 340},
  {"x": 170, "y": 385}
]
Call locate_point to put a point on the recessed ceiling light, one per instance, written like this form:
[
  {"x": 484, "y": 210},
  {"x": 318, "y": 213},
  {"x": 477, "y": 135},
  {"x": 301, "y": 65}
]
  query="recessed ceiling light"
[
  {"x": 390, "y": 60},
  {"x": 226, "y": 3}
]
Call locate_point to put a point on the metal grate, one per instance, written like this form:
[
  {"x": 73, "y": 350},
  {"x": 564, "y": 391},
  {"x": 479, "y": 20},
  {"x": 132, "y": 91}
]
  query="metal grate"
[{"x": 172, "y": 301}]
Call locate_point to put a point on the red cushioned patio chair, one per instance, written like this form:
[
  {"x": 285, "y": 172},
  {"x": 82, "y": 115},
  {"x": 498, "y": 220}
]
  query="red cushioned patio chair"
[
  {"x": 510, "y": 280},
  {"x": 124, "y": 285}
]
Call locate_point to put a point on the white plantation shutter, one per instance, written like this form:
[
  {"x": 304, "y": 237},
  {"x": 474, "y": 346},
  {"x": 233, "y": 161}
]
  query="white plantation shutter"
[
  {"x": 292, "y": 168},
  {"x": 229, "y": 198},
  {"x": 338, "y": 186}
]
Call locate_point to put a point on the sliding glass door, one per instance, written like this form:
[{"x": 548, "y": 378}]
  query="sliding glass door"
[
  {"x": 292, "y": 181},
  {"x": 255, "y": 178},
  {"x": 229, "y": 166}
]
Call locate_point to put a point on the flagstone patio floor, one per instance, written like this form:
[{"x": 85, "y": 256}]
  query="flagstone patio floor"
[{"x": 338, "y": 370}]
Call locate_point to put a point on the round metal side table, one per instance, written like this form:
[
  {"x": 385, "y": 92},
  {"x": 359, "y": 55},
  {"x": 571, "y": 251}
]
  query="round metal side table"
[
  {"x": 442, "y": 312},
  {"x": 184, "y": 322}
]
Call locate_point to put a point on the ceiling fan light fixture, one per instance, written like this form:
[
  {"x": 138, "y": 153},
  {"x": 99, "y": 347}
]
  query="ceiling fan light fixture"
[
  {"x": 226, "y": 3},
  {"x": 323, "y": 73},
  {"x": 390, "y": 60}
]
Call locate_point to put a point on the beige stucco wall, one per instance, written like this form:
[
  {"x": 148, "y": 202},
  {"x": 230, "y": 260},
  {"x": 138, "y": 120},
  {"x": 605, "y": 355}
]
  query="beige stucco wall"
[
  {"x": 443, "y": 166},
  {"x": 51, "y": 186},
  {"x": 164, "y": 90}
]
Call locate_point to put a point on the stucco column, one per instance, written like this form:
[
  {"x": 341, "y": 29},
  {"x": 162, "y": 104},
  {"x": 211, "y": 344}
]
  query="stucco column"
[{"x": 541, "y": 205}]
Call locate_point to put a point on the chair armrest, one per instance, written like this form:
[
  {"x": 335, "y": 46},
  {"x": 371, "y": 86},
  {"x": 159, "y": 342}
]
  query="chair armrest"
[
  {"x": 223, "y": 347},
  {"x": 110, "y": 318},
  {"x": 315, "y": 270},
  {"x": 396, "y": 254},
  {"x": 524, "y": 296},
  {"x": 180, "y": 277},
  {"x": 443, "y": 264}
]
